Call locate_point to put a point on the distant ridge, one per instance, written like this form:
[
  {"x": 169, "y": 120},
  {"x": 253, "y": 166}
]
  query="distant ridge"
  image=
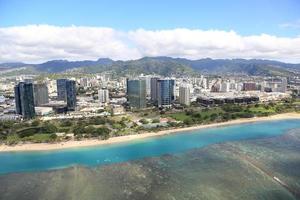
[{"x": 166, "y": 66}]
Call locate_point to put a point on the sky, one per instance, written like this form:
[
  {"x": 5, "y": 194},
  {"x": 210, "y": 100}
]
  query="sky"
[{"x": 35, "y": 31}]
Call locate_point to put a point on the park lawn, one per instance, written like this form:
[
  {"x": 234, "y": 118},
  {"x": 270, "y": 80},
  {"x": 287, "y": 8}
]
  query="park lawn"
[
  {"x": 180, "y": 116},
  {"x": 12, "y": 139},
  {"x": 38, "y": 138},
  {"x": 211, "y": 111},
  {"x": 261, "y": 109},
  {"x": 297, "y": 103}
]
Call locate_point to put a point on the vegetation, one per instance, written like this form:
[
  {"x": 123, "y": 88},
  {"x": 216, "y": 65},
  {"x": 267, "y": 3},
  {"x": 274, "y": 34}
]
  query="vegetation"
[
  {"x": 159, "y": 65},
  {"x": 13, "y": 132},
  {"x": 229, "y": 112}
]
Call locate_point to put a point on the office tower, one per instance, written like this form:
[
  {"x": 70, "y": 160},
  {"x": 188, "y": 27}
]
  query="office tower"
[
  {"x": 184, "y": 95},
  {"x": 147, "y": 78},
  {"x": 153, "y": 89},
  {"x": 165, "y": 92},
  {"x": 103, "y": 95},
  {"x": 28, "y": 80},
  {"x": 225, "y": 87},
  {"x": 24, "y": 100},
  {"x": 41, "y": 95},
  {"x": 61, "y": 89},
  {"x": 283, "y": 85},
  {"x": 249, "y": 86},
  {"x": 85, "y": 82},
  {"x": 204, "y": 83},
  {"x": 136, "y": 93},
  {"x": 52, "y": 86},
  {"x": 71, "y": 94}
]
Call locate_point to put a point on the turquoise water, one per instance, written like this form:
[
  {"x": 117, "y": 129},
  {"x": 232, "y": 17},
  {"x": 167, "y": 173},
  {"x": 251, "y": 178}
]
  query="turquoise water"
[{"x": 156, "y": 146}]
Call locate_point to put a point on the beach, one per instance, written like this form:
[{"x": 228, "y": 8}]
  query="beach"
[{"x": 119, "y": 139}]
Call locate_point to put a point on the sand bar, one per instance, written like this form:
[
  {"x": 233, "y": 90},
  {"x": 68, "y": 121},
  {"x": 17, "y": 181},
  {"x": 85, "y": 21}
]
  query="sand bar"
[{"x": 112, "y": 140}]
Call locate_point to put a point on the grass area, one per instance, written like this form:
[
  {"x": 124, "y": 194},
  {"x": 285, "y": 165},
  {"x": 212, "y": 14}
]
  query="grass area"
[
  {"x": 12, "y": 132},
  {"x": 262, "y": 109},
  {"x": 228, "y": 112},
  {"x": 190, "y": 114},
  {"x": 12, "y": 139},
  {"x": 39, "y": 138},
  {"x": 180, "y": 116}
]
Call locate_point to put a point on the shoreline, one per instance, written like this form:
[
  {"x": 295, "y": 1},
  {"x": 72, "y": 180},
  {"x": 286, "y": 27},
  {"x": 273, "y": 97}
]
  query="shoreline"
[{"x": 119, "y": 139}]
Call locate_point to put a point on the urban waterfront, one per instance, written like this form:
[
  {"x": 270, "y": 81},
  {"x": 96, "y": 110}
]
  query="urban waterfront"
[
  {"x": 156, "y": 100},
  {"x": 138, "y": 149},
  {"x": 245, "y": 169}
]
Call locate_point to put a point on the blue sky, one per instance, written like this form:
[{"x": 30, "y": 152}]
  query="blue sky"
[
  {"x": 276, "y": 17},
  {"x": 36, "y": 31}
]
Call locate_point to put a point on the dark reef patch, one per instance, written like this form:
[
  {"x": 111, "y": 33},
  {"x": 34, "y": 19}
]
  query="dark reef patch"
[{"x": 232, "y": 170}]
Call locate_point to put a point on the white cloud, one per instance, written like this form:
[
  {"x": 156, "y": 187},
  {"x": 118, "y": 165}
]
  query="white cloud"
[
  {"x": 38, "y": 43},
  {"x": 293, "y": 25}
]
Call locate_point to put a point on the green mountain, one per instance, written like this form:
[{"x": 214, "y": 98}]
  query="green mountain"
[
  {"x": 165, "y": 66},
  {"x": 145, "y": 65}
]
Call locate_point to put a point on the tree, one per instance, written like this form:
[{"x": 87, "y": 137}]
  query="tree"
[
  {"x": 66, "y": 123},
  {"x": 98, "y": 120},
  {"x": 144, "y": 121},
  {"x": 49, "y": 128},
  {"x": 102, "y": 131},
  {"x": 7, "y": 124},
  {"x": 53, "y": 136},
  {"x": 28, "y": 132},
  {"x": 188, "y": 121},
  {"x": 197, "y": 115},
  {"x": 78, "y": 129},
  {"x": 213, "y": 117},
  {"x": 155, "y": 121},
  {"x": 35, "y": 123},
  {"x": 189, "y": 112},
  {"x": 90, "y": 129}
]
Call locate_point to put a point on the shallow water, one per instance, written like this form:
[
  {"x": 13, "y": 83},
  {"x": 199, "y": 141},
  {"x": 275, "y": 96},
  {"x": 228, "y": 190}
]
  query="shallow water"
[
  {"x": 241, "y": 169},
  {"x": 138, "y": 149}
]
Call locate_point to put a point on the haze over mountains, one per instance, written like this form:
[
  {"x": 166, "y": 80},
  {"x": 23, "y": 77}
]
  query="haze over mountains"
[{"x": 163, "y": 66}]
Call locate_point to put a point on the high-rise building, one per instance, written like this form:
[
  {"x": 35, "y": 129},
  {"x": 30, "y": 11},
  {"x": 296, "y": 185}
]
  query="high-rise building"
[
  {"x": 28, "y": 80},
  {"x": 85, "y": 82},
  {"x": 71, "y": 94},
  {"x": 41, "y": 95},
  {"x": 153, "y": 89},
  {"x": 184, "y": 95},
  {"x": 165, "y": 92},
  {"x": 225, "y": 87},
  {"x": 136, "y": 93},
  {"x": 24, "y": 100},
  {"x": 249, "y": 86},
  {"x": 283, "y": 85},
  {"x": 103, "y": 95},
  {"x": 147, "y": 78},
  {"x": 61, "y": 89}
]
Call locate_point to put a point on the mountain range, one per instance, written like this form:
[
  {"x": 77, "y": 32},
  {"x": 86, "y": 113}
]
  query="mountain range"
[{"x": 162, "y": 65}]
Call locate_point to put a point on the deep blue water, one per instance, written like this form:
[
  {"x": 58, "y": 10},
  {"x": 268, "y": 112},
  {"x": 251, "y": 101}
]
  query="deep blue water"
[{"x": 156, "y": 146}]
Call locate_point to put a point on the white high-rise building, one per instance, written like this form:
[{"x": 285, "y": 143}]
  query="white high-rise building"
[
  {"x": 204, "y": 83},
  {"x": 184, "y": 95},
  {"x": 85, "y": 82},
  {"x": 103, "y": 96},
  {"x": 225, "y": 87},
  {"x": 283, "y": 85},
  {"x": 52, "y": 87},
  {"x": 147, "y": 78}
]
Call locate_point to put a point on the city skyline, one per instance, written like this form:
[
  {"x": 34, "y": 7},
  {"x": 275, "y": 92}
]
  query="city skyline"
[{"x": 149, "y": 100}]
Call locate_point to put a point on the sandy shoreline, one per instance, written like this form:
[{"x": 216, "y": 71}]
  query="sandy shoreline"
[{"x": 94, "y": 142}]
